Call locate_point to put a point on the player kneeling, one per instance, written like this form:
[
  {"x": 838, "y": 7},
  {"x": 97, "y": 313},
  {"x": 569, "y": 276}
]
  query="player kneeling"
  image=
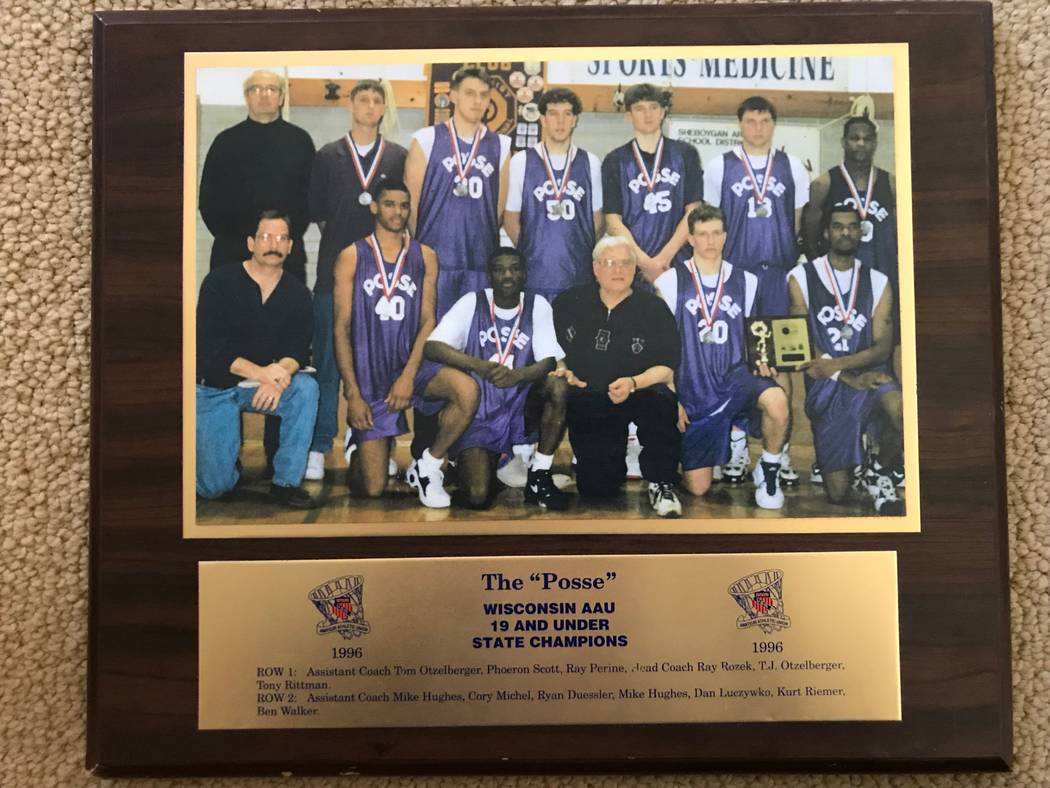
[
  {"x": 504, "y": 338},
  {"x": 850, "y": 312},
  {"x": 385, "y": 289},
  {"x": 711, "y": 299}
]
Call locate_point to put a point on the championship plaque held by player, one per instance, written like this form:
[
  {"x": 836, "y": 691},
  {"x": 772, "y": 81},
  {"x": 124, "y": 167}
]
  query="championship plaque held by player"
[{"x": 780, "y": 342}]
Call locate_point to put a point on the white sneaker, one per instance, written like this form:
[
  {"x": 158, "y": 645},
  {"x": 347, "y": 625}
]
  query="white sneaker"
[
  {"x": 634, "y": 451},
  {"x": 716, "y": 473},
  {"x": 513, "y": 473},
  {"x": 314, "y": 466},
  {"x": 664, "y": 500},
  {"x": 884, "y": 496},
  {"x": 735, "y": 471},
  {"x": 391, "y": 468},
  {"x": 815, "y": 476},
  {"x": 431, "y": 490},
  {"x": 788, "y": 475},
  {"x": 766, "y": 477}
]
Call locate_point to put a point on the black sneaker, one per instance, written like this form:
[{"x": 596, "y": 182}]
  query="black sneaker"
[
  {"x": 884, "y": 496},
  {"x": 292, "y": 497},
  {"x": 541, "y": 489}
]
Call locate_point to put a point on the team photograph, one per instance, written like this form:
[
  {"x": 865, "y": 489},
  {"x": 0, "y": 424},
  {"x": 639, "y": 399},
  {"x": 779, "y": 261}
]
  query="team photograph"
[{"x": 669, "y": 291}]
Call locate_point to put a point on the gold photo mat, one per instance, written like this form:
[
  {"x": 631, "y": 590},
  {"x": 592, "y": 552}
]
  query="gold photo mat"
[
  {"x": 549, "y": 640},
  {"x": 440, "y": 523}
]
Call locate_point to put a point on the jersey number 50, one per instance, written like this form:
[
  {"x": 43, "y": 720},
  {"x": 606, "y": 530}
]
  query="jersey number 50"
[{"x": 561, "y": 209}]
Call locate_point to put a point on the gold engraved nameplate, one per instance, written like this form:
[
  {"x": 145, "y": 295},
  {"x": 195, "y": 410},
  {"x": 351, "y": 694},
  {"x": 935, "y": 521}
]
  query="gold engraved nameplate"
[{"x": 549, "y": 640}]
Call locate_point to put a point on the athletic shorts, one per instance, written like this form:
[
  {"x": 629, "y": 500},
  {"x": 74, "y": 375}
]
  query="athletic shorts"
[
  {"x": 705, "y": 442},
  {"x": 387, "y": 423},
  {"x": 838, "y": 414}
]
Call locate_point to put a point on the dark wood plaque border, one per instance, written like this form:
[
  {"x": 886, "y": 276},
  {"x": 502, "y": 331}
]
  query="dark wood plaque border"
[{"x": 954, "y": 605}]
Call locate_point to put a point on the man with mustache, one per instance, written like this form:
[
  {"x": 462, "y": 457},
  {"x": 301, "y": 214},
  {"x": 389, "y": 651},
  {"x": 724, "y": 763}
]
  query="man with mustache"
[{"x": 254, "y": 323}]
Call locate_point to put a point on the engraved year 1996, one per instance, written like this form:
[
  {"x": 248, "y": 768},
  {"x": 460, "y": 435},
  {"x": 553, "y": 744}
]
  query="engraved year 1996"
[{"x": 767, "y": 647}]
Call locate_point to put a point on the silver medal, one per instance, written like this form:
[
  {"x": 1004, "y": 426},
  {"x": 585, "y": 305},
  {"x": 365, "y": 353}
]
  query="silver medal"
[
  {"x": 460, "y": 189},
  {"x": 847, "y": 333},
  {"x": 867, "y": 228},
  {"x": 707, "y": 339},
  {"x": 762, "y": 210},
  {"x": 365, "y": 198},
  {"x": 556, "y": 209}
]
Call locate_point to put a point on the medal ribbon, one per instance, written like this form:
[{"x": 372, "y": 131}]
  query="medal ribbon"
[
  {"x": 709, "y": 316},
  {"x": 559, "y": 190},
  {"x": 365, "y": 178},
  {"x": 377, "y": 252},
  {"x": 760, "y": 196},
  {"x": 854, "y": 289},
  {"x": 501, "y": 352},
  {"x": 650, "y": 180},
  {"x": 457, "y": 156},
  {"x": 862, "y": 207}
]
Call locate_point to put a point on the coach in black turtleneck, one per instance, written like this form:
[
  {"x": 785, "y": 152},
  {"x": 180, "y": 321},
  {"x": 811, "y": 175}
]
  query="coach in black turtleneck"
[{"x": 262, "y": 163}]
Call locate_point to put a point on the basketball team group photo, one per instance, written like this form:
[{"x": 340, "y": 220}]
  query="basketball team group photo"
[{"x": 644, "y": 290}]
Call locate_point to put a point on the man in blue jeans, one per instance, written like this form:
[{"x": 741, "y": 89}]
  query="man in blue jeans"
[{"x": 254, "y": 325}]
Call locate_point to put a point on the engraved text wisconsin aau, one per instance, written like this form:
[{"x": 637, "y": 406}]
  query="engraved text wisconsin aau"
[{"x": 340, "y": 602}]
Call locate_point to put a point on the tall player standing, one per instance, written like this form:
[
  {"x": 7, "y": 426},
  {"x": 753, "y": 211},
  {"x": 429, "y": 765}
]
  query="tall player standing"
[
  {"x": 649, "y": 186},
  {"x": 761, "y": 192},
  {"x": 711, "y": 300},
  {"x": 456, "y": 172},
  {"x": 553, "y": 216},
  {"x": 384, "y": 295},
  {"x": 873, "y": 192},
  {"x": 344, "y": 172},
  {"x": 850, "y": 312},
  {"x": 651, "y": 183}
]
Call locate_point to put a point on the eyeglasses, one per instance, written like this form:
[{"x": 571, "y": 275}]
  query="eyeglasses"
[
  {"x": 271, "y": 90},
  {"x": 610, "y": 262},
  {"x": 265, "y": 238}
]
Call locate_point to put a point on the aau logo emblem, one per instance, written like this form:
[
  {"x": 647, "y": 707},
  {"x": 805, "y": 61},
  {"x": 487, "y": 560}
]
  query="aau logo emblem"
[
  {"x": 637, "y": 345},
  {"x": 761, "y": 597},
  {"x": 340, "y": 602}
]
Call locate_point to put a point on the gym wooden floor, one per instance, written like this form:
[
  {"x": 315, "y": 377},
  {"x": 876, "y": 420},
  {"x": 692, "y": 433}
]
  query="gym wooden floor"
[{"x": 249, "y": 503}]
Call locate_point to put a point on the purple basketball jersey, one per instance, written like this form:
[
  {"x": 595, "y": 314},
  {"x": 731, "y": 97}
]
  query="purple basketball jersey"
[
  {"x": 461, "y": 226},
  {"x": 759, "y": 235},
  {"x": 837, "y": 411},
  {"x": 704, "y": 379},
  {"x": 499, "y": 423},
  {"x": 652, "y": 216},
  {"x": 382, "y": 329},
  {"x": 557, "y": 235},
  {"x": 878, "y": 248}
]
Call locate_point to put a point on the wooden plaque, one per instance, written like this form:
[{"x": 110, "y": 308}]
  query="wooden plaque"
[{"x": 952, "y": 606}]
